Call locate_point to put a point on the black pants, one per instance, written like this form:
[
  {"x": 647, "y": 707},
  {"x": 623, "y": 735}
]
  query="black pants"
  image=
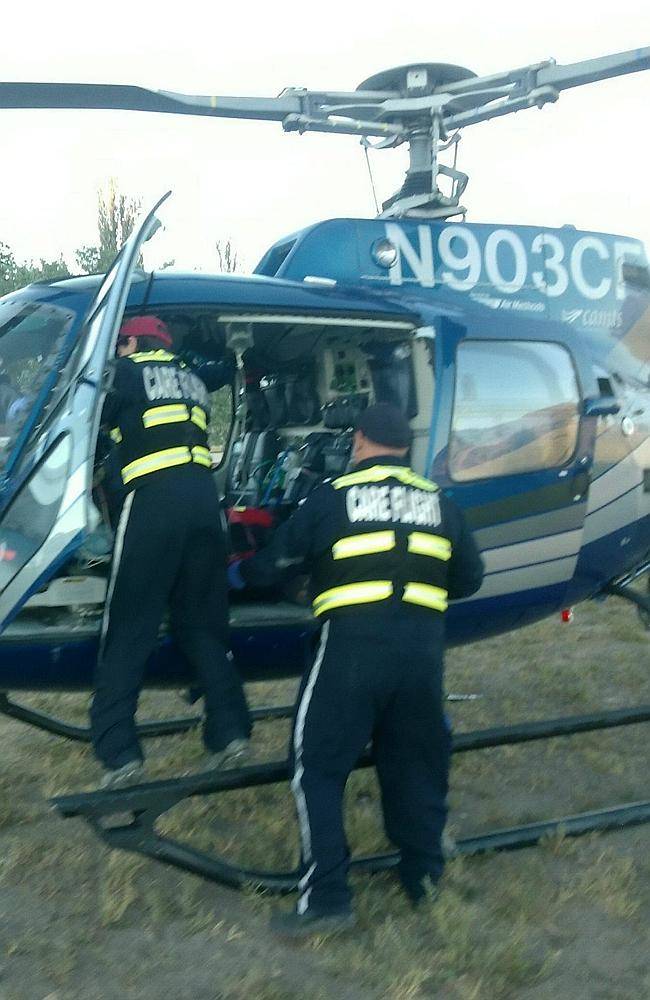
[
  {"x": 374, "y": 676},
  {"x": 169, "y": 552}
]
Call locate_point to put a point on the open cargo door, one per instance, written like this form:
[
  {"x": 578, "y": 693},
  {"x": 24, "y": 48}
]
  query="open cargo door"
[{"x": 51, "y": 509}]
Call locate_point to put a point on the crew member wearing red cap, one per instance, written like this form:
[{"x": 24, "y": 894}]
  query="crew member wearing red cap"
[
  {"x": 386, "y": 550},
  {"x": 169, "y": 552}
]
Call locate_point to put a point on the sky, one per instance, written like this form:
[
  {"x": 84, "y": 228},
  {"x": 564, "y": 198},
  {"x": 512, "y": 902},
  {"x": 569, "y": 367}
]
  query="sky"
[{"x": 583, "y": 161}]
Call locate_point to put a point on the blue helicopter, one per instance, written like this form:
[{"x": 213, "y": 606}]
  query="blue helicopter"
[{"x": 520, "y": 354}]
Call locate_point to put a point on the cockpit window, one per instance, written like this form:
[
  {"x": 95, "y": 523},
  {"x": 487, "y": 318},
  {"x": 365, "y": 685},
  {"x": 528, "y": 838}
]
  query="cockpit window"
[
  {"x": 32, "y": 334},
  {"x": 516, "y": 409}
]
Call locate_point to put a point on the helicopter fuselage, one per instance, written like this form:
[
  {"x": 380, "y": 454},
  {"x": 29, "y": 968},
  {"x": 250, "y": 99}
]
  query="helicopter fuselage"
[{"x": 521, "y": 355}]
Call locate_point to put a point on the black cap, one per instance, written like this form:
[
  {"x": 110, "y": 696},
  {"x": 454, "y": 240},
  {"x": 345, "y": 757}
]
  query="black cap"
[{"x": 385, "y": 424}]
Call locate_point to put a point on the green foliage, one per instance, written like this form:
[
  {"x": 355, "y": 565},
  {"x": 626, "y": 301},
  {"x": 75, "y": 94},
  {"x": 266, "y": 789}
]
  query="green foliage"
[
  {"x": 221, "y": 402},
  {"x": 7, "y": 268},
  {"x": 14, "y": 275},
  {"x": 220, "y": 417},
  {"x": 117, "y": 214}
]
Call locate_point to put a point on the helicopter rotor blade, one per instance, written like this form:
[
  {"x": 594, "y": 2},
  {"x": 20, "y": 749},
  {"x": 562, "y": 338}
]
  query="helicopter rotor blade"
[
  {"x": 466, "y": 101},
  {"x": 593, "y": 70},
  {"x": 119, "y": 97}
]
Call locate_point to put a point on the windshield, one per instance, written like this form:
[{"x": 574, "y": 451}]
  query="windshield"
[{"x": 32, "y": 335}]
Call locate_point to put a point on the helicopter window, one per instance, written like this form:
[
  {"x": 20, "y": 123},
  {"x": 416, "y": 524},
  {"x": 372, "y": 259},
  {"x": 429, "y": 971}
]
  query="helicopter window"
[
  {"x": 30, "y": 518},
  {"x": 393, "y": 377},
  {"x": 516, "y": 409},
  {"x": 31, "y": 337}
]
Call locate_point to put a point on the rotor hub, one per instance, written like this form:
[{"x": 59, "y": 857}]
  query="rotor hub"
[{"x": 416, "y": 79}]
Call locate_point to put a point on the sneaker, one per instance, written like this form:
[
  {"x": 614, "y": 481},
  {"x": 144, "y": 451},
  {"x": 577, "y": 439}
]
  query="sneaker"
[
  {"x": 131, "y": 773},
  {"x": 235, "y": 752},
  {"x": 303, "y": 925}
]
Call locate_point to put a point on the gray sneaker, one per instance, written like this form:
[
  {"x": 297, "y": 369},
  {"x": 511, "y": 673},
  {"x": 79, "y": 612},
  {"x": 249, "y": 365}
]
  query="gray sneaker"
[
  {"x": 235, "y": 752},
  {"x": 131, "y": 773}
]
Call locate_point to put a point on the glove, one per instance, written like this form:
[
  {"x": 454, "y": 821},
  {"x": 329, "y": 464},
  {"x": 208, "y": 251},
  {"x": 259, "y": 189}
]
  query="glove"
[{"x": 235, "y": 579}]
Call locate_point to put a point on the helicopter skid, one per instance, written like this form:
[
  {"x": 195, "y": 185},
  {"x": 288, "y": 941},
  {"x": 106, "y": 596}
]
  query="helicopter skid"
[
  {"x": 622, "y": 588},
  {"x": 155, "y": 727},
  {"x": 142, "y": 806}
]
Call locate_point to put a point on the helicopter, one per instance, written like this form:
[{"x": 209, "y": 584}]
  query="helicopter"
[{"x": 520, "y": 355}]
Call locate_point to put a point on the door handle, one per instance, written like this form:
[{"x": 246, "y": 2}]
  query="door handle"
[{"x": 600, "y": 406}]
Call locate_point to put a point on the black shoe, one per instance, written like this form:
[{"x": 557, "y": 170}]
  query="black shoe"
[
  {"x": 420, "y": 891},
  {"x": 303, "y": 925}
]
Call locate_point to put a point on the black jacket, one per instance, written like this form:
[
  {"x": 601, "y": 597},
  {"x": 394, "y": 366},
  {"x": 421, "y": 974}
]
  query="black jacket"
[
  {"x": 158, "y": 411},
  {"x": 379, "y": 534}
]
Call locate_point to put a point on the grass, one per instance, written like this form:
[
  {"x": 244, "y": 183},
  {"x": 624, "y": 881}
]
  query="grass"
[
  {"x": 610, "y": 882},
  {"x": 83, "y": 921}
]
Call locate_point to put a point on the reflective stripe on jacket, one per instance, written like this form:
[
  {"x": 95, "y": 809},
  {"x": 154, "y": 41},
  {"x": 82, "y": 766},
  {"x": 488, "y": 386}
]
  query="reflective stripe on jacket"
[
  {"x": 159, "y": 411},
  {"x": 381, "y": 534}
]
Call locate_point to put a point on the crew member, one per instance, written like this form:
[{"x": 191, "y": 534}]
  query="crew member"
[
  {"x": 169, "y": 552},
  {"x": 386, "y": 550}
]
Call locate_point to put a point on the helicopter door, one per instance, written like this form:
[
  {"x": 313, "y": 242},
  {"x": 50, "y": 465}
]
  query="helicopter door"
[
  {"x": 52, "y": 511},
  {"x": 517, "y": 459}
]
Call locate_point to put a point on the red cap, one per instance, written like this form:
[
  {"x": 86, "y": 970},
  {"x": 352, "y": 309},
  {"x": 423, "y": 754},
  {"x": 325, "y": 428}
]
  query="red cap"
[{"x": 146, "y": 326}]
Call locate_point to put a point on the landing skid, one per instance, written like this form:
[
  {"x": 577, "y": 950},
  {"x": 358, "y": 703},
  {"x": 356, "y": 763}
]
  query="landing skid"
[
  {"x": 148, "y": 802},
  {"x": 156, "y": 727},
  {"x": 623, "y": 588}
]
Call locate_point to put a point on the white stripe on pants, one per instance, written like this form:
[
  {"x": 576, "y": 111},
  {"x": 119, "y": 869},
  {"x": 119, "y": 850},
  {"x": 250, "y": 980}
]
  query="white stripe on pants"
[
  {"x": 115, "y": 565},
  {"x": 296, "y": 786}
]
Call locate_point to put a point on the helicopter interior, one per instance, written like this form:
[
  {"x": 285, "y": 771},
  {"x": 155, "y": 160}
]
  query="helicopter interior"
[
  {"x": 283, "y": 427},
  {"x": 31, "y": 335}
]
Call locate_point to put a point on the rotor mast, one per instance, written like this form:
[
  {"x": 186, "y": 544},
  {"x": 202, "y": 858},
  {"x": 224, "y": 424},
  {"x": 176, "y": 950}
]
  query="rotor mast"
[{"x": 424, "y": 105}]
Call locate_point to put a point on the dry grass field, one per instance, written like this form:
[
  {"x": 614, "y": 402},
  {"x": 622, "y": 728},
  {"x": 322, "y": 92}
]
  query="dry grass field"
[{"x": 567, "y": 919}]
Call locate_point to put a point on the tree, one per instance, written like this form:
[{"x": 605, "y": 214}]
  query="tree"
[
  {"x": 116, "y": 217},
  {"x": 7, "y": 269},
  {"x": 227, "y": 256},
  {"x": 14, "y": 275}
]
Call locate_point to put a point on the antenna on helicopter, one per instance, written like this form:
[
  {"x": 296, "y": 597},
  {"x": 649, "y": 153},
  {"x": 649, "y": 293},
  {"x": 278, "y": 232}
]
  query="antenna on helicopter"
[
  {"x": 422, "y": 104},
  {"x": 366, "y": 145}
]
